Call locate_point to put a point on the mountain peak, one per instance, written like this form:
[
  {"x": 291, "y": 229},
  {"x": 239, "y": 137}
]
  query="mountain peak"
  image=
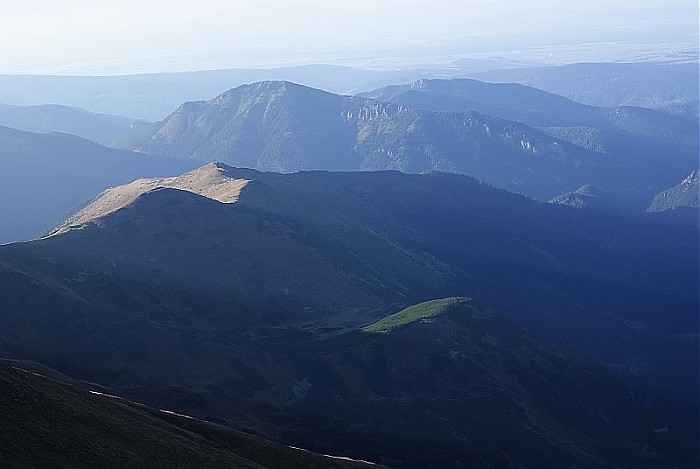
[
  {"x": 215, "y": 181},
  {"x": 267, "y": 88}
]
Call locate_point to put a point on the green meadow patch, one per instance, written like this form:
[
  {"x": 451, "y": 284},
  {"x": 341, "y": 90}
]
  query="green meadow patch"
[{"x": 419, "y": 312}]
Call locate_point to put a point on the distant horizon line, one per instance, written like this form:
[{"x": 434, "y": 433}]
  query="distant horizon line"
[{"x": 498, "y": 64}]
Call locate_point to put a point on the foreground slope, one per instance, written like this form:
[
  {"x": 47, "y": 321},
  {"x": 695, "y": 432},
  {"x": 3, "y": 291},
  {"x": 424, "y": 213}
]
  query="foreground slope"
[
  {"x": 461, "y": 386},
  {"x": 450, "y": 383},
  {"x": 50, "y": 423},
  {"x": 45, "y": 176},
  {"x": 328, "y": 252}
]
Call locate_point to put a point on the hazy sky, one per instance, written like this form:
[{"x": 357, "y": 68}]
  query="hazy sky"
[{"x": 126, "y": 36}]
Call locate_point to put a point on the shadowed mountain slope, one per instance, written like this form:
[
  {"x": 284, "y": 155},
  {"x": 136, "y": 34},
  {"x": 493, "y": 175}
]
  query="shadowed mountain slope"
[
  {"x": 450, "y": 384},
  {"x": 280, "y": 126},
  {"x": 50, "y": 423},
  {"x": 326, "y": 253}
]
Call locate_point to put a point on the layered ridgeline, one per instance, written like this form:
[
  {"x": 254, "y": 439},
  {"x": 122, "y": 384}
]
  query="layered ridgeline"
[
  {"x": 100, "y": 128},
  {"x": 279, "y": 126},
  {"x": 542, "y": 109},
  {"x": 141, "y": 287},
  {"x": 48, "y": 421},
  {"x": 44, "y": 176},
  {"x": 672, "y": 87},
  {"x": 669, "y": 86},
  {"x": 152, "y": 96},
  {"x": 652, "y": 145}
]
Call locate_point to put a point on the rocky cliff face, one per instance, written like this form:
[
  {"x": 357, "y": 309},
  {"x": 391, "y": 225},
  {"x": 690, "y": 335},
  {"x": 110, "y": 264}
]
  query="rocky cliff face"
[{"x": 685, "y": 194}]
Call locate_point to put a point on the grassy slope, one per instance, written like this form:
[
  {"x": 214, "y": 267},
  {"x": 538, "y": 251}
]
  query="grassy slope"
[{"x": 415, "y": 313}]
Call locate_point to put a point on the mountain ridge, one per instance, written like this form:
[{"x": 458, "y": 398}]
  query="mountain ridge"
[
  {"x": 672, "y": 87},
  {"x": 642, "y": 140},
  {"x": 259, "y": 126},
  {"x": 378, "y": 241},
  {"x": 208, "y": 181},
  {"x": 540, "y": 109}
]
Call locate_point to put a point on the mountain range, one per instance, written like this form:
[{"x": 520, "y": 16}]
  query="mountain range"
[
  {"x": 404, "y": 309},
  {"x": 229, "y": 266},
  {"x": 638, "y": 136},
  {"x": 152, "y": 96},
  {"x": 669, "y": 86},
  {"x": 541, "y": 109},
  {"x": 280, "y": 126}
]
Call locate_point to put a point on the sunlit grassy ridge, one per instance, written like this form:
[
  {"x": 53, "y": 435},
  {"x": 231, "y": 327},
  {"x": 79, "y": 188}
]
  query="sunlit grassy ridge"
[{"x": 417, "y": 312}]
